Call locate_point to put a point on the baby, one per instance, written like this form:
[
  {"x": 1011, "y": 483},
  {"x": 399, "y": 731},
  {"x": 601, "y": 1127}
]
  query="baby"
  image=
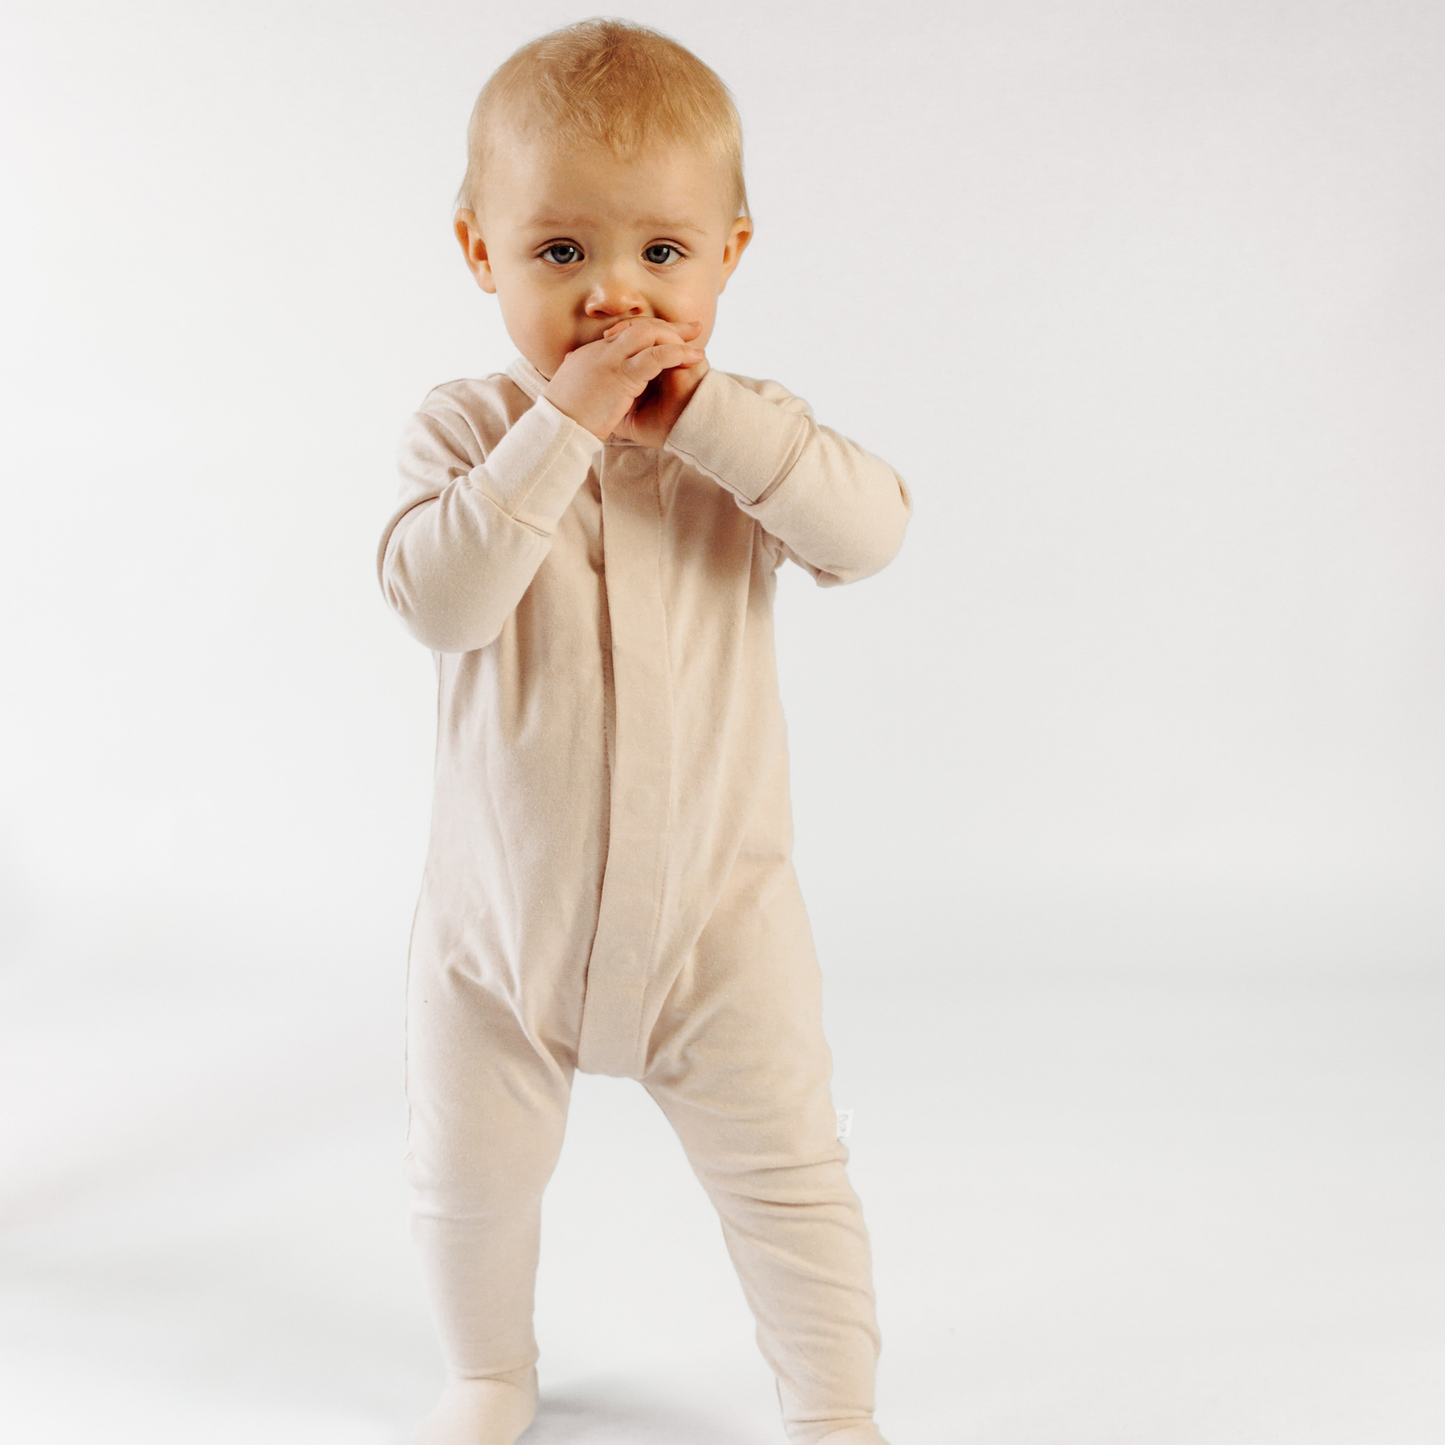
[{"x": 587, "y": 543}]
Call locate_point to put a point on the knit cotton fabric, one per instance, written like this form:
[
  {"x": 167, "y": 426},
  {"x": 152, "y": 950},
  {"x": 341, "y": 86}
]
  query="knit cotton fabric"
[{"x": 608, "y": 884}]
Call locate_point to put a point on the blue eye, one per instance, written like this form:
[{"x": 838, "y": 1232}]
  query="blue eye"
[
  {"x": 568, "y": 253},
  {"x": 659, "y": 255}
]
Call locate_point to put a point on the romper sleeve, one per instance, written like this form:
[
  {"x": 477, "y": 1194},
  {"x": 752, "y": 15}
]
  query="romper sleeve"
[
  {"x": 470, "y": 530},
  {"x": 837, "y": 510}
]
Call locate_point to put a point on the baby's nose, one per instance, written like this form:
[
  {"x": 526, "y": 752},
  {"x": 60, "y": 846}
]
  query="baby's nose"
[{"x": 614, "y": 297}]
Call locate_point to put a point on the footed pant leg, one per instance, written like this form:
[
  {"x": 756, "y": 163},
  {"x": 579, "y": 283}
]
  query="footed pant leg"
[
  {"x": 739, "y": 1065},
  {"x": 487, "y": 1108}
]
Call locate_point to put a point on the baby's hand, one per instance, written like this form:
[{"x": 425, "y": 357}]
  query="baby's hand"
[{"x": 633, "y": 382}]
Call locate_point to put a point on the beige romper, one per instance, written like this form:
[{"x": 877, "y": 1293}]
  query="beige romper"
[{"x": 609, "y": 884}]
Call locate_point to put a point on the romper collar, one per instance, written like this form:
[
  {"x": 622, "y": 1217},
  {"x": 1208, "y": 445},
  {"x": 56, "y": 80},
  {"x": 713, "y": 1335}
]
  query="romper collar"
[{"x": 527, "y": 377}]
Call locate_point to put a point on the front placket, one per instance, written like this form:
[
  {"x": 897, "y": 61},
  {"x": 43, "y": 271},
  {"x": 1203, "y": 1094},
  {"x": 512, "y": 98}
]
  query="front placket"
[{"x": 640, "y": 823}]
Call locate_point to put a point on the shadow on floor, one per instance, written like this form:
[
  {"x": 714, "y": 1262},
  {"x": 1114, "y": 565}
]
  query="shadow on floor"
[{"x": 600, "y": 1415}]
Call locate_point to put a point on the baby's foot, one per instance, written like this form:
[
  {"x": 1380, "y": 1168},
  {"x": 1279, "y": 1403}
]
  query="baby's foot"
[{"x": 491, "y": 1411}]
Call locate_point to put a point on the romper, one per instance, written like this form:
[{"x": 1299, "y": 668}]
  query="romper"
[{"x": 608, "y": 884}]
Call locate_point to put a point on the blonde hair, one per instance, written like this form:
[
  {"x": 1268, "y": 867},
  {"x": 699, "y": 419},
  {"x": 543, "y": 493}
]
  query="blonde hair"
[{"x": 609, "y": 83}]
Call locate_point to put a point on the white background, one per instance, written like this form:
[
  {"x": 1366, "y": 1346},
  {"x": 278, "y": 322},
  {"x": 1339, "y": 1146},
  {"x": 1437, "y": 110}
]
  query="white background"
[{"x": 1120, "y": 796}]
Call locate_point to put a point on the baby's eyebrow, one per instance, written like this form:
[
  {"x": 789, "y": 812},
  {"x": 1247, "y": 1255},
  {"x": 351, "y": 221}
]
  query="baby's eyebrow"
[
  {"x": 674, "y": 224},
  {"x": 669, "y": 223}
]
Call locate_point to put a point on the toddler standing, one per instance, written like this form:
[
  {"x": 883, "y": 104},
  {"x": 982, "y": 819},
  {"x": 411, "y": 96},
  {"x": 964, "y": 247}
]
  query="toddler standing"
[{"x": 588, "y": 545}]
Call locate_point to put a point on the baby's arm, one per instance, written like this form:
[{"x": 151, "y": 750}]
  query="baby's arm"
[
  {"x": 838, "y": 510},
  {"x": 468, "y": 536}
]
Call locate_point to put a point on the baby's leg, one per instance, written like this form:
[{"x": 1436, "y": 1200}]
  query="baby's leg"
[
  {"x": 739, "y": 1065},
  {"x": 487, "y": 1111}
]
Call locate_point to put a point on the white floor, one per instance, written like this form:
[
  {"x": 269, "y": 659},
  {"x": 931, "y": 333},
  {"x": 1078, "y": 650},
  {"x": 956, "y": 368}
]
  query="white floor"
[{"x": 1106, "y": 1210}]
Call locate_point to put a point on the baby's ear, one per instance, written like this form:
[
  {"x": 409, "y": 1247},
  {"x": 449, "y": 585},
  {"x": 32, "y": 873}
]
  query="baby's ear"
[
  {"x": 738, "y": 238},
  {"x": 474, "y": 248}
]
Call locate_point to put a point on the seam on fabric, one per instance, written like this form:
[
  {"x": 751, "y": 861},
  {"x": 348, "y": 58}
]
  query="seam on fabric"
[
  {"x": 663, "y": 868},
  {"x": 542, "y": 468},
  {"x": 693, "y": 460},
  {"x": 463, "y": 450},
  {"x": 415, "y": 915},
  {"x": 792, "y": 466},
  {"x": 783, "y": 473}
]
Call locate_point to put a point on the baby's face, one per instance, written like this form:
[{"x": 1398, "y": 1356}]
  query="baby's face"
[{"x": 573, "y": 241}]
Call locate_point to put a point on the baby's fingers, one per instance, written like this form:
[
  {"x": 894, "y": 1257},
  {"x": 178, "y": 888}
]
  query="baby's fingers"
[
  {"x": 644, "y": 365},
  {"x": 650, "y": 330}
]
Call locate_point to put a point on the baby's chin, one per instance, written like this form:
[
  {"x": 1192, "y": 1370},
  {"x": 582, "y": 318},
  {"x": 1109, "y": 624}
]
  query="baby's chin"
[
  {"x": 546, "y": 362},
  {"x": 546, "y": 353}
]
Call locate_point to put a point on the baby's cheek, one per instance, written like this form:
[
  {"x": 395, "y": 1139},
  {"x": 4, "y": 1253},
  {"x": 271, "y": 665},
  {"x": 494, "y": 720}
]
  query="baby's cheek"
[{"x": 705, "y": 319}]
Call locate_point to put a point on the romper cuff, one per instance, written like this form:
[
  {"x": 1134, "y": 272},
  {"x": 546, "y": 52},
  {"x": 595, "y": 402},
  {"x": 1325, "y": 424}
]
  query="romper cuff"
[
  {"x": 744, "y": 442},
  {"x": 533, "y": 473}
]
